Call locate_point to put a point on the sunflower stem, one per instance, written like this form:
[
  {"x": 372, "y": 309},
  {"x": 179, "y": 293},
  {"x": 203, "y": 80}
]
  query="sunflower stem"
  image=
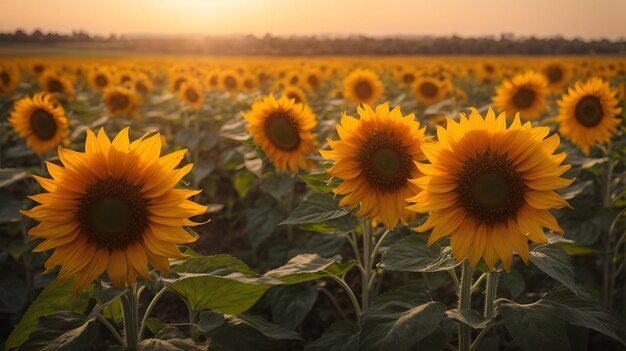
[
  {"x": 111, "y": 328},
  {"x": 131, "y": 318},
  {"x": 142, "y": 326},
  {"x": 367, "y": 266},
  {"x": 606, "y": 203},
  {"x": 465, "y": 295},
  {"x": 490, "y": 293},
  {"x": 355, "y": 302},
  {"x": 378, "y": 243}
]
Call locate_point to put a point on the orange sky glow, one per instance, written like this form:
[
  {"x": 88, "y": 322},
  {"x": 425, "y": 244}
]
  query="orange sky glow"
[{"x": 570, "y": 18}]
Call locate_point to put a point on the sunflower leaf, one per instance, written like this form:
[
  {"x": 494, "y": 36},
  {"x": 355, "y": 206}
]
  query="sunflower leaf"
[
  {"x": 552, "y": 260},
  {"x": 308, "y": 267}
]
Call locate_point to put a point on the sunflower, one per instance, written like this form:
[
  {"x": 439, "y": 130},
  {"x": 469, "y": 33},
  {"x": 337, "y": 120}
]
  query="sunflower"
[
  {"x": 312, "y": 80},
  {"x": 113, "y": 208},
  {"x": 176, "y": 80},
  {"x": 490, "y": 188},
  {"x": 557, "y": 74},
  {"x": 587, "y": 113},
  {"x": 9, "y": 79},
  {"x": 100, "y": 79},
  {"x": 56, "y": 83},
  {"x": 282, "y": 128},
  {"x": 190, "y": 93},
  {"x": 295, "y": 93},
  {"x": 230, "y": 81},
  {"x": 375, "y": 157},
  {"x": 121, "y": 100},
  {"x": 524, "y": 93},
  {"x": 362, "y": 86},
  {"x": 143, "y": 83},
  {"x": 429, "y": 90},
  {"x": 212, "y": 80},
  {"x": 407, "y": 76},
  {"x": 41, "y": 121}
]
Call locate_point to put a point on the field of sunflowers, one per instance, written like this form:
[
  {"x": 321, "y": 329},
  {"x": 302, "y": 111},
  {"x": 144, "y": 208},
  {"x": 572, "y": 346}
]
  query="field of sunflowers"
[{"x": 331, "y": 203}]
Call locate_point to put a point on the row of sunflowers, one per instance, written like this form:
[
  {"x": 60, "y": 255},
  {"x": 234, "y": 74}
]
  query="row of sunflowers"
[{"x": 324, "y": 216}]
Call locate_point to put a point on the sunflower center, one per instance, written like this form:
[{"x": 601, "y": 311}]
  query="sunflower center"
[
  {"x": 386, "y": 165},
  {"x": 230, "y": 82},
  {"x": 178, "y": 83},
  {"x": 313, "y": 81},
  {"x": 363, "y": 90},
  {"x": 119, "y": 102},
  {"x": 408, "y": 78},
  {"x": 55, "y": 86},
  {"x": 113, "y": 213},
  {"x": 191, "y": 95},
  {"x": 38, "y": 68},
  {"x": 295, "y": 97},
  {"x": 282, "y": 131},
  {"x": 6, "y": 79},
  {"x": 43, "y": 124},
  {"x": 589, "y": 111},
  {"x": 489, "y": 68},
  {"x": 101, "y": 81},
  {"x": 429, "y": 89},
  {"x": 490, "y": 189},
  {"x": 555, "y": 74},
  {"x": 248, "y": 83},
  {"x": 524, "y": 98},
  {"x": 141, "y": 87}
]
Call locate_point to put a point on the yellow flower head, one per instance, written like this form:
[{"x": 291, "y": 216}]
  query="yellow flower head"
[
  {"x": 362, "y": 86},
  {"x": 121, "y": 100},
  {"x": 524, "y": 93}
]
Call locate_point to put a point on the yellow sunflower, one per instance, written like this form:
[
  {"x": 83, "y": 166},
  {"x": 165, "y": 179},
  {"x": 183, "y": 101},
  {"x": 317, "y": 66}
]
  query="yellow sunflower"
[
  {"x": 282, "y": 128},
  {"x": 9, "y": 79},
  {"x": 375, "y": 156},
  {"x": 295, "y": 93},
  {"x": 41, "y": 121},
  {"x": 176, "y": 80},
  {"x": 56, "y": 83},
  {"x": 143, "y": 84},
  {"x": 524, "y": 93},
  {"x": 490, "y": 187},
  {"x": 230, "y": 81},
  {"x": 362, "y": 86},
  {"x": 429, "y": 90},
  {"x": 587, "y": 113},
  {"x": 120, "y": 100},
  {"x": 100, "y": 79},
  {"x": 190, "y": 93},
  {"x": 113, "y": 207},
  {"x": 557, "y": 74}
]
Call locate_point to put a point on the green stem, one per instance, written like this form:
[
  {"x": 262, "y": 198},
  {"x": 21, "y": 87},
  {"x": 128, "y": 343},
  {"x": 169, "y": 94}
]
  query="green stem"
[
  {"x": 130, "y": 310},
  {"x": 335, "y": 303},
  {"x": 367, "y": 265},
  {"x": 490, "y": 294},
  {"x": 142, "y": 326},
  {"x": 378, "y": 243},
  {"x": 111, "y": 328},
  {"x": 606, "y": 203},
  {"x": 465, "y": 295},
  {"x": 355, "y": 302}
]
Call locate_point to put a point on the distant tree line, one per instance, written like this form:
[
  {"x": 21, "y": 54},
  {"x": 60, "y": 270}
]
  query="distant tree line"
[{"x": 505, "y": 44}]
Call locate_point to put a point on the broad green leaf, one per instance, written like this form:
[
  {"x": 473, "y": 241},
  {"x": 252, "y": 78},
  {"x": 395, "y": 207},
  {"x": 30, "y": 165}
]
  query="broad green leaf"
[
  {"x": 278, "y": 184},
  {"x": 231, "y": 294},
  {"x": 576, "y": 310},
  {"x": 535, "y": 326},
  {"x": 209, "y": 320},
  {"x": 317, "y": 208},
  {"x": 155, "y": 325},
  {"x": 262, "y": 219},
  {"x": 320, "y": 182},
  {"x": 553, "y": 261},
  {"x": 246, "y": 333},
  {"x": 243, "y": 181},
  {"x": 399, "y": 320},
  {"x": 308, "y": 267},
  {"x": 216, "y": 265},
  {"x": 62, "y": 331},
  {"x": 170, "y": 345},
  {"x": 412, "y": 255},
  {"x": 54, "y": 297},
  {"x": 469, "y": 317},
  {"x": 269, "y": 330},
  {"x": 340, "y": 336},
  {"x": 291, "y": 303}
]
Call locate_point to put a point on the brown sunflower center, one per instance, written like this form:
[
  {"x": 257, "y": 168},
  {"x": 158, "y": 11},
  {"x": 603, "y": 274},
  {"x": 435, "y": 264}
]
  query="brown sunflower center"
[
  {"x": 55, "y": 86},
  {"x": 101, "y": 81},
  {"x": 6, "y": 79},
  {"x": 296, "y": 97},
  {"x": 38, "y": 68},
  {"x": 43, "y": 124},
  {"x": 490, "y": 189},
  {"x": 126, "y": 79},
  {"x": 113, "y": 213},
  {"x": 178, "y": 83},
  {"x": 141, "y": 87},
  {"x": 429, "y": 89},
  {"x": 554, "y": 74},
  {"x": 248, "y": 83},
  {"x": 282, "y": 131},
  {"x": 588, "y": 111},
  {"x": 386, "y": 165},
  {"x": 489, "y": 68},
  {"x": 294, "y": 80},
  {"x": 524, "y": 98},
  {"x": 408, "y": 78},
  {"x": 314, "y": 82},
  {"x": 191, "y": 95},
  {"x": 119, "y": 102},
  {"x": 363, "y": 90},
  {"x": 230, "y": 82}
]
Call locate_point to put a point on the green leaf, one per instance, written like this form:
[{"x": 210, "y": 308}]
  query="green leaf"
[
  {"x": 291, "y": 303},
  {"x": 262, "y": 220},
  {"x": 9, "y": 176},
  {"x": 469, "y": 317},
  {"x": 209, "y": 320},
  {"x": 155, "y": 325},
  {"x": 61, "y": 331},
  {"x": 231, "y": 294},
  {"x": 412, "y": 255},
  {"x": 317, "y": 208},
  {"x": 266, "y": 328},
  {"x": 243, "y": 181},
  {"x": 552, "y": 260},
  {"x": 576, "y": 310},
  {"x": 170, "y": 345},
  {"x": 341, "y": 336},
  {"x": 54, "y": 297},
  {"x": 216, "y": 265},
  {"x": 246, "y": 333},
  {"x": 401, "y": 319},
  {"x": 308, "y": 267},
  {"x": 535, "y": 326},
  {"x": 320, "y": 182},
  {"x": 278, "y": 184},
  {"x": 9, "y": 209}
]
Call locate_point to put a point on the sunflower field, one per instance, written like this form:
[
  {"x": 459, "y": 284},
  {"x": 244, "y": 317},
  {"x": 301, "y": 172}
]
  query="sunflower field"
[{"x": 333, "y": 203}]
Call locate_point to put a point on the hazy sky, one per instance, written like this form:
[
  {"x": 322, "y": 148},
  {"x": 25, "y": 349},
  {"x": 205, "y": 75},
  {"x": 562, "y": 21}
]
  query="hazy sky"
[{"x": 587, "y": 19}]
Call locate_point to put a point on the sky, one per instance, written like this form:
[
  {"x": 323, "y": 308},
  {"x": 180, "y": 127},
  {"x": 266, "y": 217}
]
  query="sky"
[{"x": 588, "y": 19}]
